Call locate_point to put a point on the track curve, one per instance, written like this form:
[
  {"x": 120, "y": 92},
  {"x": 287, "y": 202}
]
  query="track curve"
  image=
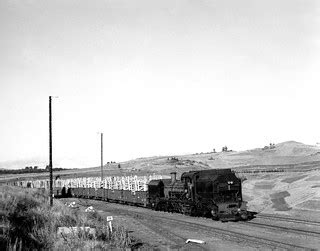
[{"x": 237, "y": 234}]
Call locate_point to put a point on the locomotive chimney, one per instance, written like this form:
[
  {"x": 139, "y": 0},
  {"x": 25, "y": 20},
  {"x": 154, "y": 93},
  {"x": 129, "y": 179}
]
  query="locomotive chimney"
[{"x": 173, "y": 177}]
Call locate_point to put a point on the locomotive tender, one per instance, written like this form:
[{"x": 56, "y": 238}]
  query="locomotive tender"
[{"x": 214, "y": 193}]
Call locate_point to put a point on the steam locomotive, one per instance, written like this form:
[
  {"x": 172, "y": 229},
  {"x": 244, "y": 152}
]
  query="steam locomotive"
[{"x": 214, "y": 193}]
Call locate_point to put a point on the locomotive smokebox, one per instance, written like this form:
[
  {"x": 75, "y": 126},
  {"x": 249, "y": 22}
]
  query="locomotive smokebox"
[{"x": 173, "y": 177}]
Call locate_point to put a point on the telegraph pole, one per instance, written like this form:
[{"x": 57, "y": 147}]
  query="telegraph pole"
[
  {"x": 50, "y": 152},
  {"x": 101, "y": 156}
]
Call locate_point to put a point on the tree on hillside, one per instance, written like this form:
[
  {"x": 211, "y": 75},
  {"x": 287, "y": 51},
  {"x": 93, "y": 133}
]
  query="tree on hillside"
[
  {"x": 272, "y": 145},
  {"x": 224, "y": 149}
]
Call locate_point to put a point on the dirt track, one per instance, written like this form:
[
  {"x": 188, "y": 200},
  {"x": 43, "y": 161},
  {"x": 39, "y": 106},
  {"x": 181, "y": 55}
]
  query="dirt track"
[{"x": 161, "y": 230}]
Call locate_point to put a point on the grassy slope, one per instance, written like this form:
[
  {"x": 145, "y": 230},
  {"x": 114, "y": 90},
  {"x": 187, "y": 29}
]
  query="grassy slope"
[
  {"x": 29, "y": 223},
  {"x": 285, "y": 155}
]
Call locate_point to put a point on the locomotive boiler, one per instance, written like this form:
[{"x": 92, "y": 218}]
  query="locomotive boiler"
[{"x": 215, "y": 193}]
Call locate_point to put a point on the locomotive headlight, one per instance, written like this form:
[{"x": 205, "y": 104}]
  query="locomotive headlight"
[{"x": 230, "y": 182}]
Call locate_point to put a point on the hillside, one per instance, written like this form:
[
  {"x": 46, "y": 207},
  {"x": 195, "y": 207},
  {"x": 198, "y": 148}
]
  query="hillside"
[
  {"x": 289, "y": 155},
  {"x": 42, "y": 162},
  {"x": 291, "y": 193}
]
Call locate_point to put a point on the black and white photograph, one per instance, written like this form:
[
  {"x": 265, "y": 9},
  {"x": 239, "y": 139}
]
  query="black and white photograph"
[{"x": 159, "y": 125}]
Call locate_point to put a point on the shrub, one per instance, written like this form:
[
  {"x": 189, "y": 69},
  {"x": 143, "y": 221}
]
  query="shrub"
[{"x": 32, "y": 224}]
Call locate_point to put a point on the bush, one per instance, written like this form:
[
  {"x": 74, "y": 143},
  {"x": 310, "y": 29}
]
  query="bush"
[
  {"x": 32, "y": 224},
  {"x": 28, "y": 220}
]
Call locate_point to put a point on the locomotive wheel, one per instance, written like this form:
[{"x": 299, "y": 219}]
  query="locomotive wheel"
[
  {"x": 244, "y": 216},
  {"x": 167, "y": 207},
  {"x": 176, "y": 207},
  {"x": 156, "y": 205},
  {"x": 214, "y": 214},
  {"x": 216, "y": 218},
  {"x": 160, "y": 206}
]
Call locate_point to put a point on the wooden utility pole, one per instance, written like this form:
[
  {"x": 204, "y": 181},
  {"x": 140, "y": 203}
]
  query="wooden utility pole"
[
  {"x": 101, "y": 156},
  {"x": 50, "y": 152}
]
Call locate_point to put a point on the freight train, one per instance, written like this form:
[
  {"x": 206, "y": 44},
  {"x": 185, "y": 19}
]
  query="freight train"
[{"x": 214, "y": 193}]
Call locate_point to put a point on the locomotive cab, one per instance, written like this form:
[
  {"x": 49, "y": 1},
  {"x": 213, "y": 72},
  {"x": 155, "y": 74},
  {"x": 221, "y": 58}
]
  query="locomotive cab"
[{"x": 155, "y": 192}]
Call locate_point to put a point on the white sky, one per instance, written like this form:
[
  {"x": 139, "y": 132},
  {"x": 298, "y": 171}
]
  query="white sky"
[{"x": 156, "y": 76}]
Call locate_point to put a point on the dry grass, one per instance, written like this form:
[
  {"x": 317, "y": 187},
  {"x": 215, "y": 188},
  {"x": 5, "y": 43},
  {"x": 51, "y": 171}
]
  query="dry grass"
[{"x": 29, "y": 223}]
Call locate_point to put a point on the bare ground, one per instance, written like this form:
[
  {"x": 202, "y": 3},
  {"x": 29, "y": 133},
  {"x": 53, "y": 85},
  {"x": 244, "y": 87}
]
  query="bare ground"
[{"x": 165, "y": 231}]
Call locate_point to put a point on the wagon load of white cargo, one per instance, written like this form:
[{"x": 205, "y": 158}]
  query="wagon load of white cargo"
[{"x": 131, "y": 183}]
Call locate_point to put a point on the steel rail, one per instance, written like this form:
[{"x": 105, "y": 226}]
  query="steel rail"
[
  {"x": 222, "y": 232},
  {"x": 281, "y": 218},
  {"x": 282, "y": 228},
  {"x": 241, "y": 236}
]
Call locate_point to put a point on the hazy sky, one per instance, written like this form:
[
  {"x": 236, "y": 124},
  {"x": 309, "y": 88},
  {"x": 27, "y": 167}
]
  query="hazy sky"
[{"x": 156, "y": 76}]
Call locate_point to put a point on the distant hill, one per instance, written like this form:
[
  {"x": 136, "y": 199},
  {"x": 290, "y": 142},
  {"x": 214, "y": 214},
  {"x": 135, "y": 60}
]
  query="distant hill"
[
  {"x": 289, "y": 154},
  {"x": 66, "y": 163},
  {"x": 285, "y": 155},
  {"x": 22, "y": 163}
]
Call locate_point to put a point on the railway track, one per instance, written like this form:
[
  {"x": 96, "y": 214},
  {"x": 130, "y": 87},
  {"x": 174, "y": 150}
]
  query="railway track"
[
  {"x": 163, "y": 220},
  {"x": 172, "y": 237},
  {"x": 253, "y": 239},
  {"x": 282, "y": 228},
  {"x": 287, "y": 219},
  {"x": 241, "y": 236}
]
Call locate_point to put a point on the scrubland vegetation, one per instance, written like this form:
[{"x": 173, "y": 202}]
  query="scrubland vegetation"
[
  {"x": 29, "y": 170},
  {"x": 29, "y": 223}
]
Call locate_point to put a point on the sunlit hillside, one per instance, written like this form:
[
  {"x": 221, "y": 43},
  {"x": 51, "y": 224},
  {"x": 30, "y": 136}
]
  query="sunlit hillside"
[{"x": 287, "y": 155}]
